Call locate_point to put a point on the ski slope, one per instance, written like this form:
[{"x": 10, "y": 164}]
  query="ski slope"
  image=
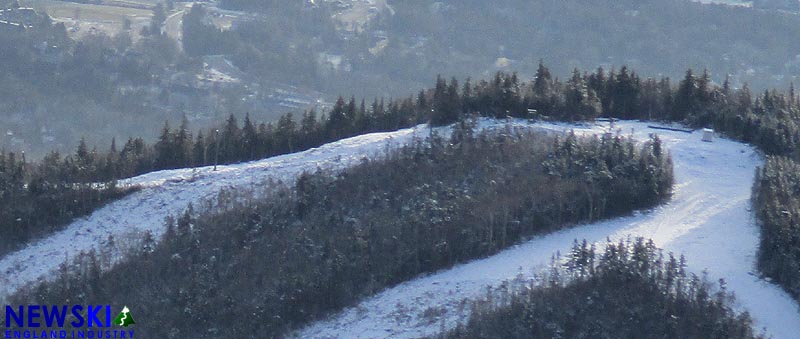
[
  {"x": 708, "y": 220},
  {"x": 170, "y": 192}
]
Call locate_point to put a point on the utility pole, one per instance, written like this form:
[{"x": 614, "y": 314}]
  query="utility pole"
[{"x": 216, "y": 154}]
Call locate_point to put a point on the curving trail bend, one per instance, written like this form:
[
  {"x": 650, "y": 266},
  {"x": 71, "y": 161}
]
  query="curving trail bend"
[{"x": 708, "y": 220}]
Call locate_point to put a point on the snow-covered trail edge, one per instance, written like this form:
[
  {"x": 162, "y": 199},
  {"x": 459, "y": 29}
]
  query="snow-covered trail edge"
[
  {"x": 170, "y": 192},
  {"x": 708, "y": 220}
]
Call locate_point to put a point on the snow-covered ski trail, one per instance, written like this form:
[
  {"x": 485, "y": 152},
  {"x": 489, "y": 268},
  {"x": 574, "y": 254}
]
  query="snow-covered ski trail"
[
  {"x": 169, "y": 192},
  {"x": 708, "y": 220}
]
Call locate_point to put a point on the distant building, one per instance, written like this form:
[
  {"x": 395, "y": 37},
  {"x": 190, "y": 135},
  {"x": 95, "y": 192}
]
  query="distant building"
[{"x": 708, "y": 135}]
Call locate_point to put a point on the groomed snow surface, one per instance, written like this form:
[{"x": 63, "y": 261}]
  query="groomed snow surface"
[
  {"x": 708, "y": 220},
  {"x": 170, "y": 192}
]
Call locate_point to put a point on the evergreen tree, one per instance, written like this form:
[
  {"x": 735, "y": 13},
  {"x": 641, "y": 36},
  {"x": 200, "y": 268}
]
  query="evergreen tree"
[
  {"x": 165, "y": 149},
  {"x": 542, "y": 83},
  {"x": 580, "y": 101},
  {"x": 200, "y": 150},
  {"x": 625, "y": 95},
  {"x": 229, "y": 140},
  {"x": 446, "y": 102},
  {"x": 684, "y": 98},
  {"x": 337, "y": 120},
  {"x": 250, "y": 141},
  {"x": 285, "y": 134},
  {"x": 309, "y": 129},
  {"x": 183, "y": 144}
]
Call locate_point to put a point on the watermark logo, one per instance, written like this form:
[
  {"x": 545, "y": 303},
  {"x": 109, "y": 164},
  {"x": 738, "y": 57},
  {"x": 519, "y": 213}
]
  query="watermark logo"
[
  {"x": 67, "y": 321},
  {"x": 124, "y": 318}
]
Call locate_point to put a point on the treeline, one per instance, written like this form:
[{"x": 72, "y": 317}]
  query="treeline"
[
  {"x": 766, "y": 120},
  {"x": 38, "y": 199},
  {"x": 583, "y": 97},
  {"x": 777, "y": 207},
  {"x": 236, "y": 142},
  {"x": 627, "y": 290},
  {"x": 259, "y": 267}
]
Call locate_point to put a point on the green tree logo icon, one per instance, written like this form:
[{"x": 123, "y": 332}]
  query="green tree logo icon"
[{"x": 124, "y": 318}]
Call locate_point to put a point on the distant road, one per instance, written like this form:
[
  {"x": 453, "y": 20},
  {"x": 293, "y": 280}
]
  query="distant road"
[{"x": 173, "y": 26}]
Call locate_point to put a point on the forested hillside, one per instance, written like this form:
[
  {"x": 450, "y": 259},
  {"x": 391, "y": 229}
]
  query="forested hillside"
[
  {"x": 625, "y": 290},
  {"x": 55, "y": 90},
  {"x": 334, "y": 238},
  {"x": 777, "y": 206},
  {"x": 282, "y": 43}
]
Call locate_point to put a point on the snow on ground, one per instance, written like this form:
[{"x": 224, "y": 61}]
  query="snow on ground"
[
  {"x": 708, "y": 220},
  {"x": 169, "y": 192}
]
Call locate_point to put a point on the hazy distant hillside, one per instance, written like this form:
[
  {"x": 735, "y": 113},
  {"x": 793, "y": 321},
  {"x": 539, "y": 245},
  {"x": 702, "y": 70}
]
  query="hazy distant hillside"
[
  {"x": 459, "y": 37},
  {"x": 270, "y": 57},
  {"x": 100, "y": 71},
  {"x": 390, "y": 47}
]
